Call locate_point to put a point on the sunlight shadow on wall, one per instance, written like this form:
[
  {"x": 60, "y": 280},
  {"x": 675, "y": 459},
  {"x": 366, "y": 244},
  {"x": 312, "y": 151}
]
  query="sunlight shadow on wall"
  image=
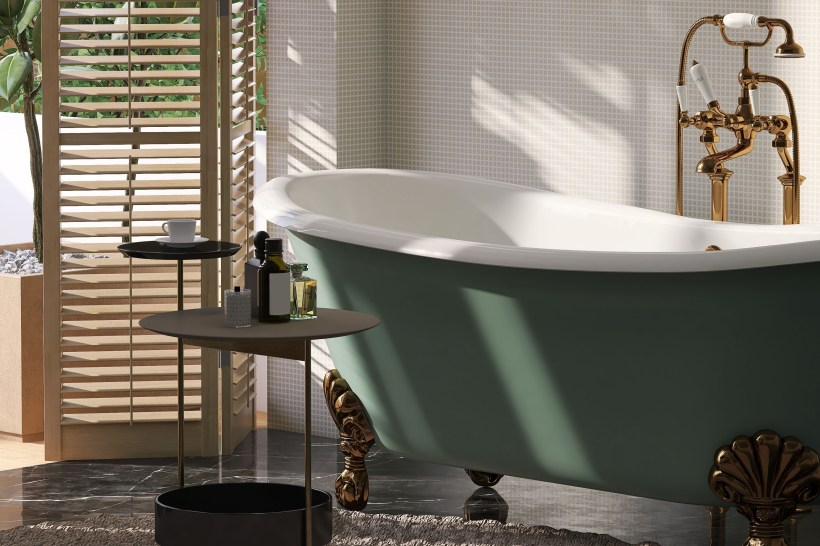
[{"x": 556, "y": 140}]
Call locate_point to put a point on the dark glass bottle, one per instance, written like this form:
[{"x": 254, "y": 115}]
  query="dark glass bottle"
[
  {"x": 252, "y": 269},
  {"x": 274, "y": 284}
]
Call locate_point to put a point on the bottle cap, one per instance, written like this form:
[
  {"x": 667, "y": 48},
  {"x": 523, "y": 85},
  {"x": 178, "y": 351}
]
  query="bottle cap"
[
  {"x": 236, "y": 289},
  {"x": 259, "y": 244},
  {"x": 297, "y": 268},
  {"x": 273, "y": 245}
]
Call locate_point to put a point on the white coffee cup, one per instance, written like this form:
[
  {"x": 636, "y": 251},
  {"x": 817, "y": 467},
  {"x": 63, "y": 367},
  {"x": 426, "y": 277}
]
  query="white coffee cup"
[{"x": 180, "y": 231}]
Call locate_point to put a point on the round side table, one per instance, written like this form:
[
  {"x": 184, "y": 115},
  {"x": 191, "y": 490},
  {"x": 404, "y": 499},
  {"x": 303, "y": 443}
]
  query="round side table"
[
  {"x": 154, "y": 250},
  {"x": 213, "y": 512}
]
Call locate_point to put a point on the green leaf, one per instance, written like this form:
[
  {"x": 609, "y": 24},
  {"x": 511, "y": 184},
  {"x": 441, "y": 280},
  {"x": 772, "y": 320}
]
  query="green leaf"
[
  {"x": 14, "y": 70},
  {"x": 10, "y": 8},
  {"x": 37, "y": 39},
  {"x": 181, "y": 4},
  {"x": 31, "y": 9}
]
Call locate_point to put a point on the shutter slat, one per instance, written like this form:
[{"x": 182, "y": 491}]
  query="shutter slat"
[
  {"x": 78, "y": 123},
  {"x": 125, "y": 168},
  {"x": 84, "y": 185},
  {"x": 166, "y": 43},
  {"x": 94, "y": 107},
  {"x": 112, "y": 75},
  {"x": 141, "y": 216},
  {"x": 134, "y": 91},
  {"x": 188, "y": 28},
  {"x": 95, "y": 200},
  {"x": 141, "y": 417},
  {"x": 105, "y": 60},
  {"x": 124, "y": 12},
  {"x": 122, "y": 153}
]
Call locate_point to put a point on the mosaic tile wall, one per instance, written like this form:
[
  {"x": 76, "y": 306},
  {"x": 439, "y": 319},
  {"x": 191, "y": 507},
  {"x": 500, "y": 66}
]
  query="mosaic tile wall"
[
  {"x": 302, "y": 121},
  {"x": 577, "y": 97}
]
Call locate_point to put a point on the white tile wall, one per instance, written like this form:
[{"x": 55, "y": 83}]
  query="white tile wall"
[
  {"x": 578, "y": 97},
  {"x": 573, "y": 96},
  {"x": 302, "y": 121}
]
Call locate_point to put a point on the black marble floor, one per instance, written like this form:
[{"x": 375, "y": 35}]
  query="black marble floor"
[{"x": 74, "y": 490}]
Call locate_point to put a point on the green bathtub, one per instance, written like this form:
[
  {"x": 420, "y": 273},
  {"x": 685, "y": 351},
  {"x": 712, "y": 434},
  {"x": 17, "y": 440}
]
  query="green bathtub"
[{"x": 625, "y": 381}]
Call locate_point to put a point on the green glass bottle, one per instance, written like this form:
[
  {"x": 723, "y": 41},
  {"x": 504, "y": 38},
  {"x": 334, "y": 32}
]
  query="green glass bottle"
[{"x": 274, "y": 284}]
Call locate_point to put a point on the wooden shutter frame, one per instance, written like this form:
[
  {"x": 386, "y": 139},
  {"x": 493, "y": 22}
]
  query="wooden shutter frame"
[{"x": 106, "y": 287}]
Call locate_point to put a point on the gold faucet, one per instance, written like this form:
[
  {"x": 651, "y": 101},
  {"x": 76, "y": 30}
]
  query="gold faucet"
[{"x": 744, "y": 123}]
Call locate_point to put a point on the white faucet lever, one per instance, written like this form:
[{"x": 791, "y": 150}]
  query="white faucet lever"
[
  {"x": 698, "y": 72},
  {"x": 754, "y": 99},
  {"x": 681, "y": 89},
  {"x": 740, "y": 20}
]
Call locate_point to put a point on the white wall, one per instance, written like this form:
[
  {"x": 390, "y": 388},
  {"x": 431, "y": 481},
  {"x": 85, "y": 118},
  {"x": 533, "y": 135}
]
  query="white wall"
[
  {"x": 16, "y": 192},
  {"x": 579, "y": 97}
]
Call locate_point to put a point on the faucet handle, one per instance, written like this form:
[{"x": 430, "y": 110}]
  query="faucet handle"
[
  {"x": 740, "y": 20},
  {"x": 754, "y": 99},
  {"x": 698, "y": 72},
  {"x": 682, "y": 102}
]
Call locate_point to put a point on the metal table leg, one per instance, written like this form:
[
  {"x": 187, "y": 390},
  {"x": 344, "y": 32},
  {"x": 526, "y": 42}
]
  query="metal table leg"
[
  {"x": 180, "y": 387},
  {"x": 308, "y": 487}
]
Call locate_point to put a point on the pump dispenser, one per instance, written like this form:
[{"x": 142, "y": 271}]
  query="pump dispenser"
[{"x": 252, "y": 269}]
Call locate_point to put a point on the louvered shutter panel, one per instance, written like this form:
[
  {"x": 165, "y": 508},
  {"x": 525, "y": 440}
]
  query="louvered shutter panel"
[
  {"x": 237, "y": 119},
  {"x": 132, "y": 146}
]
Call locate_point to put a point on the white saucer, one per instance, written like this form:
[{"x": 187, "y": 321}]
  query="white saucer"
[{"x": 167, "y": 241}]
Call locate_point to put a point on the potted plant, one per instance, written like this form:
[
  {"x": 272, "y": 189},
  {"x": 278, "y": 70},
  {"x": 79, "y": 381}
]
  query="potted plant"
[
  {"x": 21, "y": 295},
  {"x": 20, "y": 30}
]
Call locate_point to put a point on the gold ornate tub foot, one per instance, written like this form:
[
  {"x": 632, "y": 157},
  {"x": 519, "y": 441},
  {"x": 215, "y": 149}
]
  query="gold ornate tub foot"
[
  {"x": 766, "y": 477},
  {"x": 483, "y": 479},
  {"x": 356, "y": 438}
]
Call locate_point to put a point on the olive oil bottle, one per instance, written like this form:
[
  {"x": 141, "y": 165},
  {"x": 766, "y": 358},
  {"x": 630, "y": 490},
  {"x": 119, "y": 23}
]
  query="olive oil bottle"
[{"x": 274, "y": 284}]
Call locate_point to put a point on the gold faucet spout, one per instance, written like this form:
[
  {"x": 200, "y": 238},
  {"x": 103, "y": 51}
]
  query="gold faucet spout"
[{"x": 713, "y": 163}]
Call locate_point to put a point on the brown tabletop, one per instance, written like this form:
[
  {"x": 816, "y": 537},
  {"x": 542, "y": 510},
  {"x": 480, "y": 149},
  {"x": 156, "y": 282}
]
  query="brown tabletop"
[{"x": 206, "y": 328}]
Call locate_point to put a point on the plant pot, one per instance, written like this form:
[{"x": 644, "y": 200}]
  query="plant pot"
[{"x": 21, "y": 357}]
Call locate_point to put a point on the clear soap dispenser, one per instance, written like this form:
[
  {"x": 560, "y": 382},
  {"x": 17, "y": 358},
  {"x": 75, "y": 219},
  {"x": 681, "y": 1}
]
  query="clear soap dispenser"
[{"x": 302, "y": 293}]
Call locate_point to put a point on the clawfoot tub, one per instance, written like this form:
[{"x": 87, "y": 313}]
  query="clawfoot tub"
[{"x": 562, "y": 339}]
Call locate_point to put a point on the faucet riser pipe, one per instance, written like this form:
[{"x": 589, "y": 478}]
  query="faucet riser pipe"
[{"x": 720, "y": 196}]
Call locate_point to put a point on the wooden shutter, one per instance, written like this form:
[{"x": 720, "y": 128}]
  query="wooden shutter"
[
  {"x": 237, "y": 155},
  {"x": 128, "y": 144}
]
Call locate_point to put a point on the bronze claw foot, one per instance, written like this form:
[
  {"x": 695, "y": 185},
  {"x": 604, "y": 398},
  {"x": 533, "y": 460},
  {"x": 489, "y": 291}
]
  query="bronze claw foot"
[
  {"x": 766, "y": 477},
  {"x": 356, "y": 438},
  {"x": 483, "y": 479}
]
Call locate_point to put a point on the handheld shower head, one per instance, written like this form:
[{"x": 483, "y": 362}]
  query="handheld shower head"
[{"x": 789, "y": 48}]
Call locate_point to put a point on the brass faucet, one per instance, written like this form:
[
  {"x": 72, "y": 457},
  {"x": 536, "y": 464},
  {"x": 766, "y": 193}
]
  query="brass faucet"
[{"x": 744, "y": 123}]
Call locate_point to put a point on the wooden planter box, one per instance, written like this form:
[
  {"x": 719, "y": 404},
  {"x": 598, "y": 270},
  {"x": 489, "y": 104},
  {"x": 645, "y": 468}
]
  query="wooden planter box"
[{"x": 21, "y": 357}]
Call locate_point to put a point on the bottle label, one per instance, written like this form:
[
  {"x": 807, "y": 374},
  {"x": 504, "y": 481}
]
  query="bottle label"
[{"x": 279, "y": 290}]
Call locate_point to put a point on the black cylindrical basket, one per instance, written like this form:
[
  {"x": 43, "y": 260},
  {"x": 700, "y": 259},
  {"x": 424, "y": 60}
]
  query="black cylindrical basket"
[{"x": 249, "y": 514}]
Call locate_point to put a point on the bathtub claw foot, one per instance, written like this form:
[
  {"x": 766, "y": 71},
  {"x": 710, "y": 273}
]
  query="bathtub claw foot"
[
  {"x": 483, "y": 479},
  {"x": 356, "y": 437},
  {"x": 766, "y": 476}
]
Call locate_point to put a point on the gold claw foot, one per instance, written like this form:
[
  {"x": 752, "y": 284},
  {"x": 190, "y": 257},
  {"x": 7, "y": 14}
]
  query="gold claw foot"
[
  {"x": 766, "y": 476},
  {"x": 356, "y": 437},
  {"x": 483, "y": 479}
]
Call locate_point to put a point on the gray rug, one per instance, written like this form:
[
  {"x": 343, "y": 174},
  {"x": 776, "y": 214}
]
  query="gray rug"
[{"x": 349, "y": 529}]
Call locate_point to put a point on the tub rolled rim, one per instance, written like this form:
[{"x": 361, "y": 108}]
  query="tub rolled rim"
[{"x": 276, "y": 206}]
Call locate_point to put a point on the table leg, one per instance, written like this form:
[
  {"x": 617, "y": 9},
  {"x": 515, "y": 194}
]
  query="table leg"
[
  {"x": 308, "y": 487},
  {"x": 180, "y": 387}
]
